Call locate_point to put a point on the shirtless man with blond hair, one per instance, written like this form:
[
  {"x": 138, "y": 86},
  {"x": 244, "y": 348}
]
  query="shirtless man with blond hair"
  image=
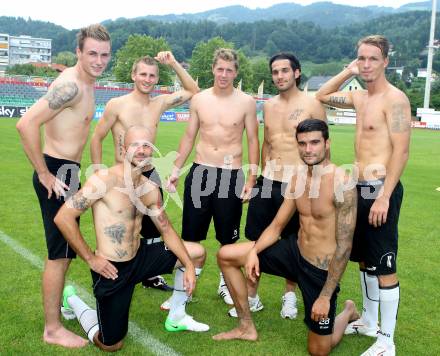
[
  {"x": 65, "y": 112},
  {"x": 279, "y": 159},
  {"x": 325, "y": 199},
  {"x": 383, "y": 128},
  {"x": 119, "y": 197},
  {"x": 139, "y": 108},
  {"x": 215, "y": 187}
]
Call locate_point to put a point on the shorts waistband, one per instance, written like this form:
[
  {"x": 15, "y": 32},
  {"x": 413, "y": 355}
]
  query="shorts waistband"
[
  {"x": 57, "y": 162},
  {"x": 276, "y": 183},
  {"x": 219, "y": 169},
  {"x": 153, "y": 240},
  {"x": 370, "y": 183}
]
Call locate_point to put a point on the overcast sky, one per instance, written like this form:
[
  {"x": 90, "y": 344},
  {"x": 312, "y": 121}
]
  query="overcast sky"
[{"x": 78, "y": 13}]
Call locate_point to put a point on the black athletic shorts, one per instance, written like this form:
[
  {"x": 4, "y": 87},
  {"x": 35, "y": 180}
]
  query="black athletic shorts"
[
  {"x": 148, "y": 229},
  {"x": 212, "y": 192},
  {"x": 68, "y": 172},
  {"x": 376, "y": 246},
  {"x": 264, "y": 206},
  {"x": 284, "y": 259},
  {"x": 113, "y": 297}
]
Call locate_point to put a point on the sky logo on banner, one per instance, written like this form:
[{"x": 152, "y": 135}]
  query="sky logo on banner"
[{"x": 168, "y": 116}]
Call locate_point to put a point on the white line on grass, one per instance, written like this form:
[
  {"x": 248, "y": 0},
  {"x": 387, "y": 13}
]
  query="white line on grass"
[{"x": 139, "y": 335}]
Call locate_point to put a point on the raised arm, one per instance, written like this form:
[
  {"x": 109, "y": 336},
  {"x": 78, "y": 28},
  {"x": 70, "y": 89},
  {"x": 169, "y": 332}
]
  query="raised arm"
[
  {"x": 185, "y": 146},
  {"x": 60, "y": 96},
  {"x": 398, "y": 116},
  {"x": 190, "y": 86},
  {"x": 104, "y": 125},
  {"x": 251, "y": 127},
  {"x": 345, "y": 224},
  {"x": 329, "y": 92},
  {"x": 93, "y": 190}
]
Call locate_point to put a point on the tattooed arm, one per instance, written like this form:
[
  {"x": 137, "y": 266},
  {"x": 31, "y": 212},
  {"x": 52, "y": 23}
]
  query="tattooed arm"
[
  {"x": 345, "y": 224},
  {"x": 329, "y": 92},
  {"x": 398, "y": 116},
  {"x": 59, "y": 97},
  {"x": 188, "y": 83},
  {"x": 66, "y": 220}
]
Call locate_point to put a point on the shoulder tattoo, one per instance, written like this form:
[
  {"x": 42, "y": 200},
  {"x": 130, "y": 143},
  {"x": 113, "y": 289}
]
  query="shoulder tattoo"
[
  {"x": 61, "y": 94},
  {"x": 399, "y": 121}
]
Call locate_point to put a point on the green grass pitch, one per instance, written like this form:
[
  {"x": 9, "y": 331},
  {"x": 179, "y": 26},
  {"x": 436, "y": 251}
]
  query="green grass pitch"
[{"x": 21, "y": 316}]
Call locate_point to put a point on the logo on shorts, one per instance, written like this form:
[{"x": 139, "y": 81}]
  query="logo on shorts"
[
  {"x": 235, "y": 234},
  {"x": 371, "y": 268},
  {"x": 389, "y": 261},
  {"x": 324, "y": 323}
]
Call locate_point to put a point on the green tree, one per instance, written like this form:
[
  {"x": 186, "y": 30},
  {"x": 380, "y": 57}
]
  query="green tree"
[
  {"x": 67, "y": 58},
  {"x": 31, "y": 70},
  {"x": 201, "y": 64},
  {"x": 138, "y": 46},
  {"x": 261, "y": 71}
]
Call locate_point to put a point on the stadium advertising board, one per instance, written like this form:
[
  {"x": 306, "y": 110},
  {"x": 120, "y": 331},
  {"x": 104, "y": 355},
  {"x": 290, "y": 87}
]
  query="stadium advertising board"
[
  {"x": 182, "y": 116},
  {"x": 12, "y": 111},
  {"x": 168, "y": 116}
]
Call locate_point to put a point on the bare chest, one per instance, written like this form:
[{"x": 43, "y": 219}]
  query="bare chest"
[{"x": 221, "y": 117}]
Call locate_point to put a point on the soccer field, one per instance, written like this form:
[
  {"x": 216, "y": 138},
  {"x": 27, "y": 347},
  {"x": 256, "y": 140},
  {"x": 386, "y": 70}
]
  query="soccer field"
[{"x": 22, "y": 252}]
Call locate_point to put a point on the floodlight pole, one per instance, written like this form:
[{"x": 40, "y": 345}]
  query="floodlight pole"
[{"x": 430, "y": 55}]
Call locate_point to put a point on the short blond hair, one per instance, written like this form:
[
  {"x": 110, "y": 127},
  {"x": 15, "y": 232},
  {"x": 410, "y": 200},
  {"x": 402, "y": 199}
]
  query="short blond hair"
[
  {"x": 378, "y": 41},
  {"x": 95, "y": 31},
  {"x": 146, "y": 60},
  {"x": 227, "y": 54}
]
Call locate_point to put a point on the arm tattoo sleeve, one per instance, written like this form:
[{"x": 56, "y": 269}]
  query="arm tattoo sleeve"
[
  {"x": 345, "y": 224},
  {"x": 60, "y": 94},
  {"x": 116, "y": 232},
  {"x": 399, "y": 121},
  {"x": 337, "y": 100},
  {"x": 79, "y": 201},
  {"x": 177, "y": 101}
]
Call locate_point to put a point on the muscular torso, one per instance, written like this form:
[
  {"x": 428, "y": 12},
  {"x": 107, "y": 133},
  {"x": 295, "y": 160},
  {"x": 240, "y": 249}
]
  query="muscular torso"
[
  {"x": 373, "y": 147},
  {"x": 66, "y": 134},
  {"x": 117, "y": 221},
  {"x": 222, "y": 122},
  {"x": 131, "y": 112},
  {"x": 280, "y": 121},
  {"x": 317, "y": 213}
]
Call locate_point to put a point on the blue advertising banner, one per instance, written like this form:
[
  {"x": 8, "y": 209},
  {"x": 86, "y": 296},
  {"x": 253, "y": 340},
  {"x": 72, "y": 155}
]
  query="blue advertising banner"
[{"x": 168, "y": 116}]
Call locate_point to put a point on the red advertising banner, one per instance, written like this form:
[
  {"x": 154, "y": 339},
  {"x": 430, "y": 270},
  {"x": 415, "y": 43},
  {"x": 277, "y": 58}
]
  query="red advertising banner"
[{"x": 182, "y": 116}]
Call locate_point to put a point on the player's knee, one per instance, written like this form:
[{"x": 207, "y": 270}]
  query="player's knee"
[
  {"x": 197, "y": 253},
  {"x": 107, "y": 348},
  {"x": 388, "y": 280},
  {"x": 318, "y": 349}
]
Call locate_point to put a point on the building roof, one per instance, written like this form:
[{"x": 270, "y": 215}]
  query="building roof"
[{"x": 316, "y": 82}]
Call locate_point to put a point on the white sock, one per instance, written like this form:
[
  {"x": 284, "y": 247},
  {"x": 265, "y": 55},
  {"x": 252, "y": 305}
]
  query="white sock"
[
  {"x": 87, "y": 317},
  {"x": 222, "y": 281},
  {"x": 179, "y": 297},
  {"x": 389, "y": 306},
  {"x": 370, "y": 299}
]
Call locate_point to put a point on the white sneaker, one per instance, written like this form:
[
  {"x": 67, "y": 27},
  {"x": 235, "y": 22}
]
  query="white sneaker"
[
  {"x": 288, "y": 308},
  {"x": 358, "y": 327},
  {"x": 254, "y": 305},
  {"x": 223, "y": 292},
  {"x": 184, "y": 324},
  {"x": 380, "y": 349}
]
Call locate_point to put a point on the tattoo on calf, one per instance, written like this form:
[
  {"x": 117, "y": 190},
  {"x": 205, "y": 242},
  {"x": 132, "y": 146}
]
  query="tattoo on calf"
[
  {"x": 296, "y": 114},
  {"x": 60, "y": 94},
  {"x": 116, "y": 232},
  {"x": 399, "y": 121},
  {"x": 337, "y": 99},
  {"x": 79, "y": 201}
]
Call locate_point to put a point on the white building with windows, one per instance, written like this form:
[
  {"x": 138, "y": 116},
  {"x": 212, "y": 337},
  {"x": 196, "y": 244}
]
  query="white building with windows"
[
  {"x": 27, "y": 49},
  {"x": 4, "y": 51}
]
